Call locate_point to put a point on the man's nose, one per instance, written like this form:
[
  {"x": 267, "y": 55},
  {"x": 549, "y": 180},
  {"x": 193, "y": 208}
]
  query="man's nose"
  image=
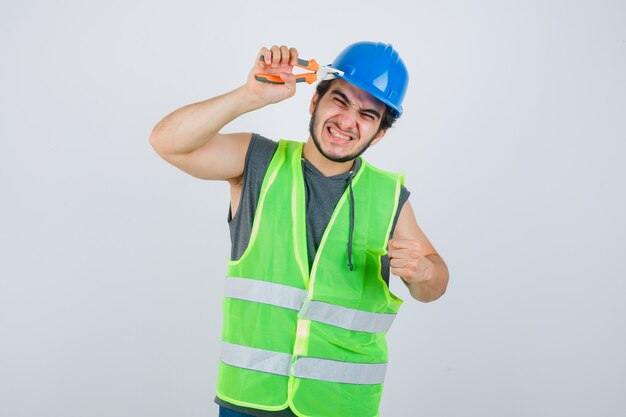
[{"x": 348, "y": 119}]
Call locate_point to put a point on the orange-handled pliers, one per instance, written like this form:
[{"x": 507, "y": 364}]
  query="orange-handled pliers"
[{"x": 308, "y": 77}]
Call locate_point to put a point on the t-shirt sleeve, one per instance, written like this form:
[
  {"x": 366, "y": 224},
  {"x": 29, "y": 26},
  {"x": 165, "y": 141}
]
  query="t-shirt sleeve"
[
  {"x": 258, "y": 158},
  {"x": 384, "y": 260},
  {"x": 404, "y": 196}
]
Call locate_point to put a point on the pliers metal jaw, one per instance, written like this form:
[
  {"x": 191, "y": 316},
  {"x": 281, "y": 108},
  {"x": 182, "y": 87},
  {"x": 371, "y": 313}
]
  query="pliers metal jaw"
[{"x": 308, "y": 77}]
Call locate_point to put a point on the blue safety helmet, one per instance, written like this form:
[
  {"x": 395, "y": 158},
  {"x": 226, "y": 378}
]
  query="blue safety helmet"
[{"x": 376, "y": 68}]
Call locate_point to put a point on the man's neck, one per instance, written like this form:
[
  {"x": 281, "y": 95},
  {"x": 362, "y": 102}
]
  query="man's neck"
[{"x": 324, "y": 165}]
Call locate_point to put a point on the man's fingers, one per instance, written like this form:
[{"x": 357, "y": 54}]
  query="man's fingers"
[
  {"x": 403, "y": 248},
  {"x": 402, "y": 243},
  {"x": 413, "y": 245},
  {"x": 293, "y": 56},
  {"x": 266, "y": 54},
  {"x": 400, "y": 262},
  {"x": 404, "y": 254},
  {"x": 275, "y": 56},
  {"x": 399, "y": 272},
  {"x": 284, "y": 55},
  {"x": 276, "y": 61},
  {"x": 290, "y": 82}
]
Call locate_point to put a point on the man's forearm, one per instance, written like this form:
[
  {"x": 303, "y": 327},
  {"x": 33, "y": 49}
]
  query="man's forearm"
[
  {"x": 434, "y": 287},
  {"x": 191, "y": 126}
]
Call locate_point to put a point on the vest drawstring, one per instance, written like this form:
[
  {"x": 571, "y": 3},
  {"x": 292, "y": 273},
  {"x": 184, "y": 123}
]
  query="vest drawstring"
[{"x": 351, "y": 229}]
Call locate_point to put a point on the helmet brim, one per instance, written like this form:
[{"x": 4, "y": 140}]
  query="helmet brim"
[{"x": 373, "y": 92}]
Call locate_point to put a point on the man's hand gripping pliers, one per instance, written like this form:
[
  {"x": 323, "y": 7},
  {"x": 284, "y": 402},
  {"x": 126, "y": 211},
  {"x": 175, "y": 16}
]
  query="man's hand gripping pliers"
[{"x": 308, "y": 77}]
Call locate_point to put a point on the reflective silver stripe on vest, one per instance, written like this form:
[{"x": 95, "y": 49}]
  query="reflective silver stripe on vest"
[
  {"x": 264, "y": 292},
  {"x": 294, "y": 299},
  {"x": 311, "y": 368},
  {"x": 256, "y": 359},
  {"x": 336, "y": 371},
  {"x": 346, "y": 318}
]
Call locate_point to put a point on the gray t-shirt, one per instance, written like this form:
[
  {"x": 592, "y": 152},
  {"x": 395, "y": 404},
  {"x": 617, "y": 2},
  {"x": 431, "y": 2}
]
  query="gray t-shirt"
[{"x": 321, "y": 196}]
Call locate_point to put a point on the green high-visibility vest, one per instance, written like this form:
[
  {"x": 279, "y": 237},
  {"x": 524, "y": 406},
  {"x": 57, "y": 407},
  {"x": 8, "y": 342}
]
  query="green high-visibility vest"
[{"x": 311, "y": 340}]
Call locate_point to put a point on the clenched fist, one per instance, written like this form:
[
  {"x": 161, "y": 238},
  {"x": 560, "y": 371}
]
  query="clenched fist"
[{"x": 408, "y": 260}]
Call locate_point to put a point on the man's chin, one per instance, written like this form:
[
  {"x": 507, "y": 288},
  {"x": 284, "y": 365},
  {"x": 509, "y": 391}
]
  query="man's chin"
[
  {"x": 333, "y": 156},
  {"x": 341, "y": 157}
]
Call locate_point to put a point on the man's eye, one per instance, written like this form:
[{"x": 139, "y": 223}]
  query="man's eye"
[
  {"x": 340, "y": 102},
  {"x": 367, "y": 116}
]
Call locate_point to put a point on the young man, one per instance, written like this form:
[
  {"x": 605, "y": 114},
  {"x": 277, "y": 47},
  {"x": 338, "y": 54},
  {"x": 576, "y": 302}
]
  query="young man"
[{"x": 315, "y": 232}]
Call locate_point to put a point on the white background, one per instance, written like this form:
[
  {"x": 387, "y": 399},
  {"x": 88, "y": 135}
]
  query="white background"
[{"x": 512, "y": 142}]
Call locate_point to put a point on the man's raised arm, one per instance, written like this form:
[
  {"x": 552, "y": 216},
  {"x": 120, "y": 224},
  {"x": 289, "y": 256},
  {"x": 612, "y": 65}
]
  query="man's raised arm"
[{"x": 189, "y": 137}]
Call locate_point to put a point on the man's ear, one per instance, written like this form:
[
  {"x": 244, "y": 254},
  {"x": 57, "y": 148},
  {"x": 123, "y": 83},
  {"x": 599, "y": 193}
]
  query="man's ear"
[
  {"x": 313, "y": 102},
  {"x": 378, "y": 136}
]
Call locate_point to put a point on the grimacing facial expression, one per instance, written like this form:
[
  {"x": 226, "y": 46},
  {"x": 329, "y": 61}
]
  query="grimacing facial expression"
[{"x": 345, "y": 121}]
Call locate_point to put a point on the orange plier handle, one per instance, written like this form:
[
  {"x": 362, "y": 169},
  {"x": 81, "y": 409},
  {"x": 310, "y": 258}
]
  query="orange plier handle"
[{"x": 308, "y": 77}]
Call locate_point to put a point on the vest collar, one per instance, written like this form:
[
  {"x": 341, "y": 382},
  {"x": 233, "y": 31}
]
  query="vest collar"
[{"x": 309, "y": 167}]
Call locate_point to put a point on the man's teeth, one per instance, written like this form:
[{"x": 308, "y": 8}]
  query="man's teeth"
[{"x": 338, "y": 135}]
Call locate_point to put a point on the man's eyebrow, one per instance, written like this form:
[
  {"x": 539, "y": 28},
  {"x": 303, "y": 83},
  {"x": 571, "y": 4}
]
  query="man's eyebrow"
[{"x": 347, "y": 100}]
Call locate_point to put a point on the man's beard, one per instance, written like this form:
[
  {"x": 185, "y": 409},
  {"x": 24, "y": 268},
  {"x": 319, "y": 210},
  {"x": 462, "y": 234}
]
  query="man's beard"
[{"x": 346, "y": 158}]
